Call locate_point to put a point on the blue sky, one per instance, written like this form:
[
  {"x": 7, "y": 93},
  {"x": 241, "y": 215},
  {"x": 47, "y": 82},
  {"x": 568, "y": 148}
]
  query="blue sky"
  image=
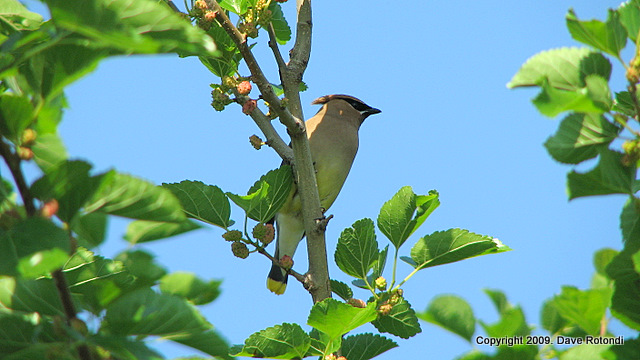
[{"x": 437, "y": 70}]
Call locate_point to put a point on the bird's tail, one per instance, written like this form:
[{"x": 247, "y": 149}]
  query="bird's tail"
[{"x": 277, "y": 280}]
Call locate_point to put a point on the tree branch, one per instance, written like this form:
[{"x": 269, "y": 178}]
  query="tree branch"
[
  {"x": 273, "y": 44},
  {"x": 264, "y": 124},
  {"x": 13, "y": 162},
  {"x": 317, "y": 278},
  {"x": 293, "y": 124},
  {"x": 318, "y": 274}
]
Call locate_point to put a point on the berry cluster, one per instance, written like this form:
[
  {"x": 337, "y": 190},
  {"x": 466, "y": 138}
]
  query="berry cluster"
[
  {"x": 255, "y": 18},
  {"x": 220, "y": 93},
  {"x": 263, "y": 233},
  {"x": 631, "y": 150},
  {"x": 27, "y": 140},
  {"x": 202, "y": 14}
]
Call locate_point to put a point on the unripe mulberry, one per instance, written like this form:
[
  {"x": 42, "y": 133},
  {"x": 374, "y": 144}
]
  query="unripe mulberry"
[
  {"x": 385, "y": 309},
  {"x": 25, "y": 153},
  {"x": 270, "y": 235},
  {"x": 249, "y": 106},
  {"x": 240, "y": 249},
  {"x": 201, "y": 4},
  {"x": 263, "y": 232},
  {"x": 381, "y": 283},
  {"x": 286, "y": 262},
  {"x": 50, "y": 208},
  {"x": 244, "y": 87},
  {"x": 232, "y": 235},
  {"x": 209, "y": 15},
  {"x": 357, "y": 303},
  {"x": 256, "y": 142},
  {"x": 28, "y": 137}
]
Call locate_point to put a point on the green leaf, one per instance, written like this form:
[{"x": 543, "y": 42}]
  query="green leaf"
[
  {"x": 579, "y": 138},
  {"x": 42, "y": 263},
  {"x": 595, "y": 97},
  {"x": 610, "y": 176},
  {"x": 610, "y": 37},
  {"x": 20, "y": 332},
  {"x": 131, "y": 26},
  {"x": 238, "y": 7},
  {"x": 625, "y": 302},
  {"x": 28, "y": 238},
  {"x": 401, "y": 321},
  {"x": 624, "y": 104},
  {"x": 511, "y": 323},
  {"x": 357, "y": 249},
  {"x": 443, "y": 247},
  {"x": 584, "y": 352},
  {"x": 29, "y": 296},
  {"x": 452, "y": 313},
  {"x": 145, "y": 312},
  {"x": 630, "y": 222},
  {"x": 202, "y": 202},
  {"x": 280, "y": 25},
  {"x": 141, "y": 264},
  {"x": 70, "y": 184},
  {"x": 550, "y": 317},
  {"x": 48, "y": 151},
  {"x": 16, "y": 17},
  {"x": 16, "y": 114},
  {"x": 630, "y": 350},
  {"x": 286, "y": 341},
  {"x": 564, "y": 68},
  {"x": 128, "y": 196},
  {"x": 585, "y": 308},
  {"x": 209, "y": 342},
  {"x": 499, "y": 300},
  {"x": 143, "y": 231},
  {"x": 91, "y": 229},
  {"x": 96, "y": 281},
  {"x": 602, "y": 258},
  {"x": 341, "y": 289},
  {"x": 336, "y": 318},
  {"x": 125, "y": 348},
  {"x": 190, "y": 287},
  {"x": 630, "y": 18},
  {"x": 365, "y": 346},
  {"x": 404, "y": 213},
  {"x": 267, "y": 195},
  {"x": 279, "y": 89}
]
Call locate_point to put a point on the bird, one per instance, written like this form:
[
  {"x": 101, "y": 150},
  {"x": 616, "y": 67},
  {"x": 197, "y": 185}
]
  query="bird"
[{"x": 333, "y": 141}]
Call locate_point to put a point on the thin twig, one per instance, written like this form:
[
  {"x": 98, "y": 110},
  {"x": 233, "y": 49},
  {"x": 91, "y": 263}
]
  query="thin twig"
[
  {"x": 273, "y": 138},
  {"x": 13, "y": 162},
  {"x": 273, "y": 44}
]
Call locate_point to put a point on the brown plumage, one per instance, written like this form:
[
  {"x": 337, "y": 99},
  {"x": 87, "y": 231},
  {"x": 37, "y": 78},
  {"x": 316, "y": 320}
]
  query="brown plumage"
[{"x": 333, "y": 139}]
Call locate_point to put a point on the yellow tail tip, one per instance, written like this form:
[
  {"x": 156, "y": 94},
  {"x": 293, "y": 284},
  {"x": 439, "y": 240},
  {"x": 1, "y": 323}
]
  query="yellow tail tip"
[{"x": 276, "y": 287}]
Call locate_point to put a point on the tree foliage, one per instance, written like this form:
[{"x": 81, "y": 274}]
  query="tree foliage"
[{"x": 60, "y": 299}]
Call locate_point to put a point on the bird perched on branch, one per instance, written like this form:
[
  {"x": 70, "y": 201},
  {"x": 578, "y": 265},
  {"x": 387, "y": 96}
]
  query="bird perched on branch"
[{"x": 333, "y": 139}]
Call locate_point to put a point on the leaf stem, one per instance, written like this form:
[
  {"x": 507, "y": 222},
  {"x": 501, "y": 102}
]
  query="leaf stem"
[
  {"x": 395, "y": 266},
  {"x": 407, "y": 278}
]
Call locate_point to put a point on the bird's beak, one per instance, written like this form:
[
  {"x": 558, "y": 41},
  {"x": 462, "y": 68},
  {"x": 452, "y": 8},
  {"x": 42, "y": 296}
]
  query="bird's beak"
[
  {"x": 371, "y": 111},
  {"x": 365, "y": 113}
]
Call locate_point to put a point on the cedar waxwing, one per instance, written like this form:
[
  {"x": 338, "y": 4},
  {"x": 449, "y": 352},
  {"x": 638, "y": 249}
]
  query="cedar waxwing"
[{"x": 333, "y": 139}]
